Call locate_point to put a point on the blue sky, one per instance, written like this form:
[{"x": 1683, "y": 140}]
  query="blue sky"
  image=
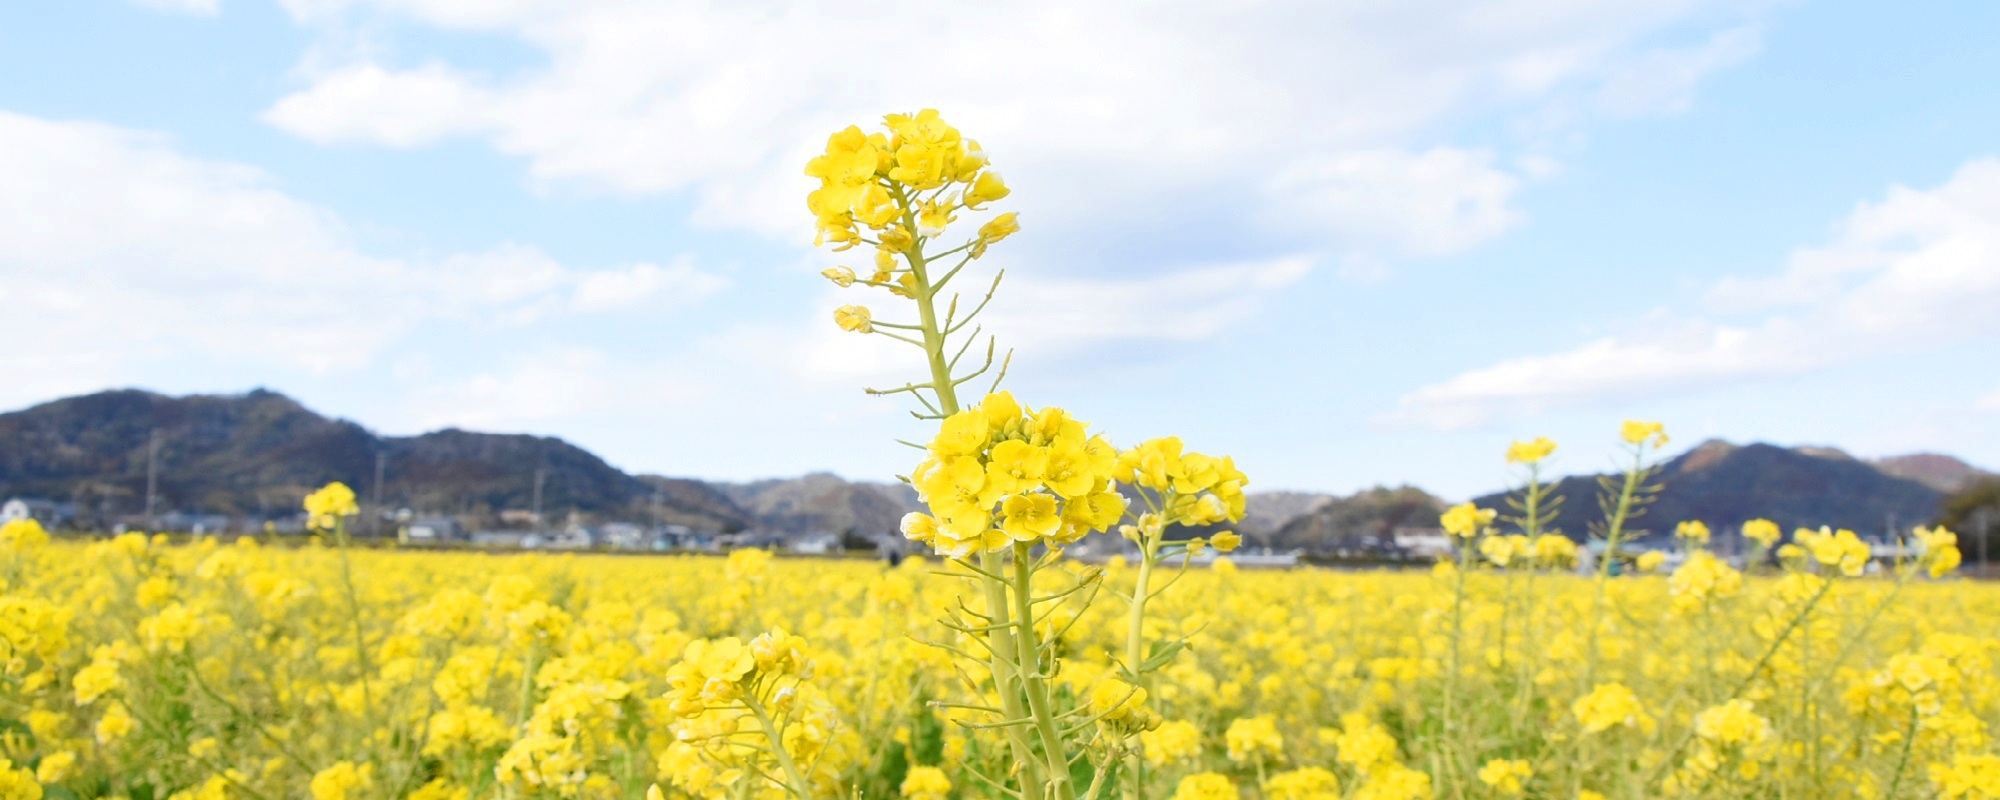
[{"x": 1349, "y": 243}]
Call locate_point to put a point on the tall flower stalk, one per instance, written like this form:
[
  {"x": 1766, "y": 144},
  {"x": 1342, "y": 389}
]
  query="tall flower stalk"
[
  {"x": 1009, "y": 487},
  {"x": 1629, "y": 499}
]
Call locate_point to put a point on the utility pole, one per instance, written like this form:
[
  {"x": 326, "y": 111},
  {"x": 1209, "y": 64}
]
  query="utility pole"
[
  {"x": 540, "y": 474},
  {"x": 152, "y": 474},
  {"x": 1979, "y": 522},
  {"x": 375, "y": 522}
]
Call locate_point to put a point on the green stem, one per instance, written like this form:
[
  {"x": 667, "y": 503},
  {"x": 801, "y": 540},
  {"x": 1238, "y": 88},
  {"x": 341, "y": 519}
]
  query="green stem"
[
  {"x": 1811, "y": 707},
  {"x": 1451, "y": 738},
  {"x": 796, "y": 781},
  {"x": 1000, "y": 640},
  {"x": 525, "y": 704},
  {"x": 1135, "y": 654},
  {"x": 354, "y": 615},
  {"x": 1612, "y": 534},
  {"x": 1909, "y": 741},
  {"x": 1028, "y": 662}
]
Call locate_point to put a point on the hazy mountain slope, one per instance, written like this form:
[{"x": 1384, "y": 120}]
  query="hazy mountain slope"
[
  {"x": 1364, "y": 520},
  {"x": 821, "y": 503},
  {"x": 1941, "y": 472},
  {"x": 1724, "y": 485},
  {"x": 257, "y": 454}
]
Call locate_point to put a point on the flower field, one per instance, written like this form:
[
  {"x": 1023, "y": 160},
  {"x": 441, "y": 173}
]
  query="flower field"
[
  {"x": 138, "y": 669},
  {"x": 999, "y": 665}
]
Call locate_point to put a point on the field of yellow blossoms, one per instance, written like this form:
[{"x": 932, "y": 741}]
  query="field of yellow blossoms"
[
  {"x": 139, "y": 669},
  {"x": 1000, "y": 666}
]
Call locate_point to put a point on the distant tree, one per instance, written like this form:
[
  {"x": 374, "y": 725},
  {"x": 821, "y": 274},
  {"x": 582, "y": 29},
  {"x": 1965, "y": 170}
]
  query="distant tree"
[
  {"x": 1974, "y": 512},
  {"x": 850, "y": 540}
]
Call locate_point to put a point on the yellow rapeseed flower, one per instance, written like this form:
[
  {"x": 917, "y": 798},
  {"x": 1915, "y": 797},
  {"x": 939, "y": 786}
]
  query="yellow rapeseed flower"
[
  {"x": 22, "y": 534},
  {"x": 343, "y": 781},
  {"x": 854, "y": 319},
  {"x": 1506, "y": 775},
  {"x": 926, "y": 783},
  {"x": 1643, "y": 434},
  {"x": 1531, "y": 452},
  {"x": 1611, "y": 705},
  {"x": 1205, "y": 786},
  {"x": 1693, "y": 533},
  {"x": 1762, "y": 531},
  {"x": 327, "y": 506},
  {"x": 1466, "y": 520},
  {"x": 1305, "y": 783}
]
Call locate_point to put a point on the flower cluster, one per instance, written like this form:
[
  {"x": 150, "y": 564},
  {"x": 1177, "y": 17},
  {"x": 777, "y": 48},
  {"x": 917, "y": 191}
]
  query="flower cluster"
[
  {"x": 1121, "y": 707},
  {"x": 720, "y": 688},
  {"x": 1732, "y": 733},
  {"x": 1467, "y": 521},
  {"x": 1643, "y": 434},
  {"x": 1255, "y": 740},
  {"x": 897, "y": 190},
  {"x": 22, "y": 534},
  {"x": 1840, "y": 550},
  {"x": 1764, "y": 532},
  {"x": 1506, "y": 775},
  {"x": 1609, "y": 706},
  {"x": 332, "y": 503},
  {"x": 1937, "y": 550},
  {"x": 1702, "y": 579},
  {"x": 862, "y": 174},
  {"x": 1531, "y": 452},
  {"x": 999, "y": 473}
]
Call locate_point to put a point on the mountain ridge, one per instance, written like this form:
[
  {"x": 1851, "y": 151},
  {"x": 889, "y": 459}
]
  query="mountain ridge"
[
  {"x": 1724, "y": 484},
  {"x": 253, "y": 455}
]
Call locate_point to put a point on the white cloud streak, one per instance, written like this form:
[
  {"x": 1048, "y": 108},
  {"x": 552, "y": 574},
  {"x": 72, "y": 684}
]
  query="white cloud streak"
[
  {"x": 1916, "y": 271},
  {"x": 1055, "y": 318},
  {"x": 1116, "y": 116},
  {"x": 544, "y": 386},
  {"x": 115, "y": 249}
]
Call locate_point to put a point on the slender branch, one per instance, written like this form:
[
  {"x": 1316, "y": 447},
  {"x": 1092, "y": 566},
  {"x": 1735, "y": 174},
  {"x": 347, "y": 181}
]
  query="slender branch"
[
  {"x": 953, "y": 272},
  {"x": 903, "y": 339},
  {"x": 1004, "y": 364},
  {"x": 990, "y": 343},
  {"x": 908, "y": 387},
  {"x": 897, "y": 325},
  {"x": 982, "y": 303},
  {"x": 953, "y": 365}
]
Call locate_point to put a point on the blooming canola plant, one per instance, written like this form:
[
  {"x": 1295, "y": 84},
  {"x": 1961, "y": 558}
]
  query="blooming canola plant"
[{"x": 1000, "y": 666}]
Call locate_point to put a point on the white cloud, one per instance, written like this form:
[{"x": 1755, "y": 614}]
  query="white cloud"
[
  {"x": 645, "y": 286},
  {"x": 1990, "y": 402},
  {"x": 405, "y": 109},
  {"x": 205, "y": 8},
  {"x": 1055, "y": 318},
  {"x": 1437, "y": 202},
  {"x": 544, "y": 386},
  {"x": 1664, "y": 80},
  {"x": 1916, "y": 271},
  {"x": 1106, "y": 115},
  {"x": 1059, "y": 314},
  {"x": 121, "y": 251}
]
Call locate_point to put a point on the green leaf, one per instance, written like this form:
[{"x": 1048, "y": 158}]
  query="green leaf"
[{"x": 1162, "y": 653}]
